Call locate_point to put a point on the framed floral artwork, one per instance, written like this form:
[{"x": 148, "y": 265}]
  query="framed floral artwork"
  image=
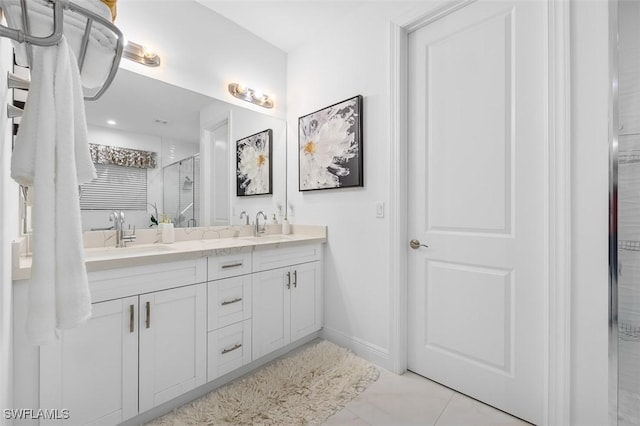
[
  {"x": 330, "y": 147},
  {"x": 254, "y": 168}
]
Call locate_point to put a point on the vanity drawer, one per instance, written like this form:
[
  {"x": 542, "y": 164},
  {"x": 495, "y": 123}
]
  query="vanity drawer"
[
  {"x": 230, "y": 265},
  {"x": 266, "y": 259},
  {"x": 229, "y": 349},
  {"x": 129, "y": 281},
  {"x": 229, "y": 301}
]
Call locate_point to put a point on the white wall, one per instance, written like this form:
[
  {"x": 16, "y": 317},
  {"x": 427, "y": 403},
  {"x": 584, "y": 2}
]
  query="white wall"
[
  {"x": 590, "y": 156},
  {"x": 168, "y": 150},
  {"x": 351, "y": 59},
  {"x": 203, "y": 51}
]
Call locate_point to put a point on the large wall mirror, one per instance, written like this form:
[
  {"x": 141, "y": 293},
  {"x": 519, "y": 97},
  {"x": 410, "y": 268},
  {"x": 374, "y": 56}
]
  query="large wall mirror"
[{"x": 194, "y": 180}]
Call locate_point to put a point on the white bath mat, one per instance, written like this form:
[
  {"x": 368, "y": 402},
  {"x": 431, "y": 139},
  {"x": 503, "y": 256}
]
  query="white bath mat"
[{"x": 303, "y": 389}]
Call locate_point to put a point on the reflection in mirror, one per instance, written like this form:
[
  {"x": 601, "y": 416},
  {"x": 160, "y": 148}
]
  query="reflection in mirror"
[
  {"x": 181, "y": 191},
  {"x": 193, "y": 137}
]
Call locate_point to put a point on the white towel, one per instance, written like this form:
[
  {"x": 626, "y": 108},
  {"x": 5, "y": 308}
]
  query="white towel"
[{"x": 52, "y": 156}]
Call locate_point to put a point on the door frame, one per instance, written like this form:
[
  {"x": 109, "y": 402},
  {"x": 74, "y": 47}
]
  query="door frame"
[
  {"x": 557, "y": 392},
  {"x": 207, "y": 167}
]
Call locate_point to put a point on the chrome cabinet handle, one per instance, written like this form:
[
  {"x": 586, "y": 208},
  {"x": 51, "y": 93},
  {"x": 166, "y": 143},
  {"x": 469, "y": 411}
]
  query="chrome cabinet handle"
[
  {"x": 288, "y": 280},
  {"x": 295, "y": 279},
  {"x": 415, "y": 244},
  {"x": 148, "y": 319},
  {"x": 229, "y": 302},
  {"x": 131, "y": 320},
  {"x": 231, "y": 349},
  {"x": 232, "y": 265}
]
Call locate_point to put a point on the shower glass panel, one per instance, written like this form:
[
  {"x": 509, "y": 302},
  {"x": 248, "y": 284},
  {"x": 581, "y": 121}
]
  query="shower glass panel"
[
  {"x": 625, "y": 289},
  {"x": 181, "y": 191}
]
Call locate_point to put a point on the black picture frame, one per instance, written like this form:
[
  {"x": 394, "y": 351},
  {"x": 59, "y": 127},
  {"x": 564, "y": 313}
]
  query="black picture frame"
[
  {"x": 330, "y": 147},
  {"x": 254, "y": 165}
]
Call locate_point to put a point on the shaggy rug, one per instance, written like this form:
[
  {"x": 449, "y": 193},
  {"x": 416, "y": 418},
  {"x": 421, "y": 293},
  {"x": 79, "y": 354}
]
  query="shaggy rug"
[{"x": 303, "y": 389}]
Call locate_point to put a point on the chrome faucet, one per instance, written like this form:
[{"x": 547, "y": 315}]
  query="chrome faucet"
[
  {"x": 258, "y": 230},
  {"x": 245, "y": 215},
  {"x": 117, "y": 217}
]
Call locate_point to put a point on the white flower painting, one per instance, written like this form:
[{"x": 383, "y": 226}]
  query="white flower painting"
[
  {"x": 330, "y": 146},
  {"x": 254, "y": 171}
]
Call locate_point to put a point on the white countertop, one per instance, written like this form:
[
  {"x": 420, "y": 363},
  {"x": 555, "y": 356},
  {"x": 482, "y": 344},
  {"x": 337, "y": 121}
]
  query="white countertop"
[{"x": 101, "y": 258}]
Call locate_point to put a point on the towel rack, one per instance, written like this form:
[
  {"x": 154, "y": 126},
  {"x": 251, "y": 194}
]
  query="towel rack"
[
  {"x": 59, "y": 6},
  {"x": 629, "y": 157}
]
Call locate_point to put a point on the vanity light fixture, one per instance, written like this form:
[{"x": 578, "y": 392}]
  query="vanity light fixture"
[
  {"x": 141, "y": 54},
  {"x": 250, "y": 95}
]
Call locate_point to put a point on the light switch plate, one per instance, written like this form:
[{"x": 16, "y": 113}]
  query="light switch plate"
[{"x": 379, "y": 209}]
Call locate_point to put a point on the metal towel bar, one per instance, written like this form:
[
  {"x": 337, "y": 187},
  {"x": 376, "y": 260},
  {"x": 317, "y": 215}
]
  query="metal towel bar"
[{"x": 59, "y": 6}]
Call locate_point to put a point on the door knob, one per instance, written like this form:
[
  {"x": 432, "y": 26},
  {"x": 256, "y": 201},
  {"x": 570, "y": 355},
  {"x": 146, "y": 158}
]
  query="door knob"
[{"x": 415, "y": 244}]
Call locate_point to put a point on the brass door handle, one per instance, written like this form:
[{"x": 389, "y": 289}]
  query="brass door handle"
[{"x": 415, "y": 244}]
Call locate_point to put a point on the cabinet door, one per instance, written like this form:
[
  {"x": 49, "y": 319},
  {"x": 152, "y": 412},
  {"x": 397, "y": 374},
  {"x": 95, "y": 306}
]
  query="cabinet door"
[
  {"x": 93, "y": 370},
  {"x": 306, "y": 300},
  {"x": 271, "y": 321},
  {"x": 172, "y": 343}
]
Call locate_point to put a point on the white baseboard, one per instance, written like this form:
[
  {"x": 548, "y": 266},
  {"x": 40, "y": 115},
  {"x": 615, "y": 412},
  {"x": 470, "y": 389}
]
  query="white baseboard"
[{"x": 372, "y": 353}]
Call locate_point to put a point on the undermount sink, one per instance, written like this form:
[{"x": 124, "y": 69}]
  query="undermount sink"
[
  {"x": 267, "y": 238},
  {"x": 115, "y": 252}
]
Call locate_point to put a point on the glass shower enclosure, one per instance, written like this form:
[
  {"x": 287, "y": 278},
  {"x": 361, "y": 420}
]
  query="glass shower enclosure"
[
  {"x": 624, "y": 245},
  {"x": 181, "y": 191}
]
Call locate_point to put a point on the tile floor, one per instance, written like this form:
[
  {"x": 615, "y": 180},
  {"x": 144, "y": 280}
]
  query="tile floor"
[{"x": 411, "y": 399}]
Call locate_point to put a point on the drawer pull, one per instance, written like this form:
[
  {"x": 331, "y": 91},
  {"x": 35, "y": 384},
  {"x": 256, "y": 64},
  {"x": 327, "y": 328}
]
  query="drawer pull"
[
  {"x": 229, "y": 302},
  {"x": 131, "y": 316},
  {"x": 232, "y": 348},
  {"x": 232, "y": 265}
]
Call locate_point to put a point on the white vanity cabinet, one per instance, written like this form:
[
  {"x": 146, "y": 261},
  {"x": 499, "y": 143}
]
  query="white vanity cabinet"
[
  {"x": 135, "y": 352},
  {"x": 287, "y": 299},
  {"x": 160, "y": 330},
  {"x": 93, "y": 370}
]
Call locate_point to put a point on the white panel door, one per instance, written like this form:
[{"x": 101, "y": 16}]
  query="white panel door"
[
  {"x": 478, "y": 199},
  {"x": 93, "y": 370},
  {"x": 173, "y": 343},
  {"x": 306, "y": 300},
  {"x": 220, "y": 193},
  {"x": 271, "y": 319}
]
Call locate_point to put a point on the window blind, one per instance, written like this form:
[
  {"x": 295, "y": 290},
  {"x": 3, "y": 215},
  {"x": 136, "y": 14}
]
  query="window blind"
[{"x": 116, "y": 188}]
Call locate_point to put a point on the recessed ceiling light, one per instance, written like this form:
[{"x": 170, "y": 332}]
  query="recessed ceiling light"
[{"x": 111, "y": 122}]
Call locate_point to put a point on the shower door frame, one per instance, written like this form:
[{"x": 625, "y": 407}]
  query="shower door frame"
[
  {"x": 613, "y": 212},
  {"x": 179, "y": 162}
]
